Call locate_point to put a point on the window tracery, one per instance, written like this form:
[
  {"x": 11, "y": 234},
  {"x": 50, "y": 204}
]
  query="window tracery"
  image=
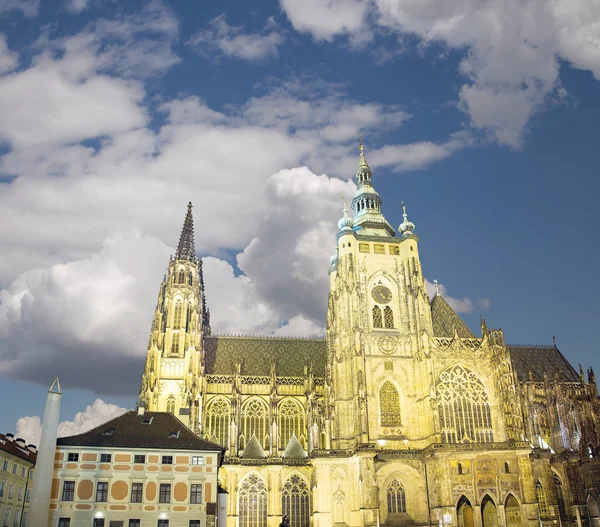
[
  {"x": 253, "y": 502},
  {"x": 464, "y": 407},
  {"x": 175, "y": 344},
  {"x": 171, "y": 404},
  {"x": 388, "y": 317},
  {"x": 377, "y": 318},
  {"x": 396, "y": 497},
  {"x": 216, "y": 422},
  {"x": 295, "y": 501},
  {"x": 541, "y": 497},
  {"x": 291, "y": 420},
  {"x": 182, "y": 277},
  {"x": 255, "y": 420},
  {"x": 389, "y": 404},
  {"x": 177, "y": 314}
]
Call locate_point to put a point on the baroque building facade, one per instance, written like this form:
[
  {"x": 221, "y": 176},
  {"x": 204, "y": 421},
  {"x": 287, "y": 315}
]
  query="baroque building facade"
[{"x": 399, "y": 416}]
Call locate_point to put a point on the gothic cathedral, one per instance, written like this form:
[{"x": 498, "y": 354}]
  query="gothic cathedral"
[{"x": 399, "y": 416}]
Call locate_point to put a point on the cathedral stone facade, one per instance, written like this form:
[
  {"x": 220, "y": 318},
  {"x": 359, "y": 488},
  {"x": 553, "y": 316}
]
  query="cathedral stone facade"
[{"x": 399, "y": 416}]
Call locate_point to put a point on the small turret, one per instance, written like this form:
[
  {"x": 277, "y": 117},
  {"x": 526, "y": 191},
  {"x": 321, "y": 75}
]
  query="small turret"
[{"x": 406, "y": 227}]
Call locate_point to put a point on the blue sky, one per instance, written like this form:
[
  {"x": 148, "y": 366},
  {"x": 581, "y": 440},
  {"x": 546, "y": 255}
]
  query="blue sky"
[{"x": 482, "y": 118}]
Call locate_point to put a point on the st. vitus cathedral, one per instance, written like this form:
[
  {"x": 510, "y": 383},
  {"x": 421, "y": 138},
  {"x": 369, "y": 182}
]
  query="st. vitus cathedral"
[{"x": 399, "y": 416}]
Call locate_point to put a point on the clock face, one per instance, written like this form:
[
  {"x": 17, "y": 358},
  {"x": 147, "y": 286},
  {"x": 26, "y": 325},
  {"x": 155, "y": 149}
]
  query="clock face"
[{"x": 381, "y": 294}]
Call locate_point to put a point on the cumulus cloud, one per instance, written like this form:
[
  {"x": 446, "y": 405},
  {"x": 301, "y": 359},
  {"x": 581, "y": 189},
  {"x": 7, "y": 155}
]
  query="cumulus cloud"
[
  {"x": 77, "y": 6},
  {"x": 460, "y": 305},
  {"x": 8, "y": 59},
  {"x": 96, "y": 414},
  {"x": 511, "y": 49},
  {"x": 231, "y": 41}
]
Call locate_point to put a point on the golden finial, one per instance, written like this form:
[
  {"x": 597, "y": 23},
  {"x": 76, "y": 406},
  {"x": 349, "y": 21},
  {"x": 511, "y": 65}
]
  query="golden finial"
[
  {"x": 361, "y": 147},
  {"x": 190, "y": 205}
]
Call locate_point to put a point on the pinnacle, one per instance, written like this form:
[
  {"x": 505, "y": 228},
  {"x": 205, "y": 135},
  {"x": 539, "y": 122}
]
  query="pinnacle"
[{"x": 186, "y": 249}]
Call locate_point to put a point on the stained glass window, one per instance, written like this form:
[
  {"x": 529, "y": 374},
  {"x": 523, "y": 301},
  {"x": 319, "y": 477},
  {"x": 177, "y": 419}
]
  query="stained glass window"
[
  {"x": 295, "y": 501},
  {"x": 253, "y": 502},
  {"x": 464, "y": 407},
  {"x": 377, "y": 318},
  {"x": 388, "y": 317},
  {"x": 255, "y": 420},
  {"x": 396, "y": 498},
  {"x": 291, "y": 420},
  {"x": 181, "y": 277},
  {"x": 217, "y": 421},
  {"x": 171, "y": 404},
  {"x": 175, "y": 343},
  {"x": 389, "y": 404},
  {"x": 177, "y": 315}
]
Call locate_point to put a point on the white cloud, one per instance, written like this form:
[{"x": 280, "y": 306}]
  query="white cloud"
[
  {"x": 231, "y": 41},
  {"x": 8, "y": 59},
  {"x": 77, "y": 6},
  {"x": 512, "y": 48},
  {"x": 30, "y": 427},
  {"x": 325, "y": 19},
  {"x": 29, "y": 8},
  {"x": 460, "y": 305}
]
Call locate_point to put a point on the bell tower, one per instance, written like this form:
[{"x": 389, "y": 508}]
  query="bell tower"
[
  {"x": 378, "y": 328},
  {"x": 175, "y": 362}
]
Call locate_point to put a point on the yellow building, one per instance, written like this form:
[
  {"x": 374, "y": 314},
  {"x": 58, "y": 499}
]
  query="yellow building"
[
  {"x": 17, "y": 461},
  {"x": 142, "y": 469},
  {"x": 400, "y": 416}
]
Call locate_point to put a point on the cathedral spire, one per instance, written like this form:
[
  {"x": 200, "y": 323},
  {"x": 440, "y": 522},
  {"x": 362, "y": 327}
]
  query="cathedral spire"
[
  {"x": 366, "y": 203},
  {"x": 186, "y": 249}
]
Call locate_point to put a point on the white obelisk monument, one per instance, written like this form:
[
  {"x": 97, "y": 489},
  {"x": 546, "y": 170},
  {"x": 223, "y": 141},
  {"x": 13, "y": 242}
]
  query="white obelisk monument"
[{"x": 39, "y": 507}]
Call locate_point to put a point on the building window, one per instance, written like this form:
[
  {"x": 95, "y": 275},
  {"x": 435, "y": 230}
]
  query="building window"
[
  {"x": 68, "y": 491},
  {"x": 255, "y": 415},
  {"x": 171, "y": 405},
  {"x": 253, "y": 502},
  {"x": 6, "y": 518},
  {"x": 460, "y": 469},
  {"x": 196, "y": 493},
  {"x": 194, "y": 523},
  {"x": 542, "y": 500},
  {"x": 464, "y": 407},
  {"x": 163, "y": 523},
  {"x": 15, "y": 468},
  {"x": 28, "y": 497},
  {"x": 115, "y": 523},
  {"x": 64, "y": 522},
  {"x": 295, "y": 501},
  {"x": 388, "y": 317},
  {"x": 167, "y": 460},
  {"x": 2, "y": 485},
  {"x": 291, "y": 421},
  {"x": 396, "y": 497},
  {"x": 164, "y": 495},
  {"x": 181, "y": 277},
  {"x": 11, "y": 492},
  {"x": 134, "y": 523},
  {"x": 377, "y": 318},
  {"x": 102, "y": 491},
  {"x": 72, "y": 457},
  {"x": 5, "y": 466},
  {"x": 23, "y": 471},
  {"x": 177, "y": 315},
  {"x": 98, "y": 522},
  {"x": 389, "y": 404},
  {"x": 217, "y": 421},
  {"x": 16, "y": 518},
  {"x": 139, "y": 458},
  {"x": 105, "y": 458},
  {"x": 190, "y": 278},
  {"x": 175, "y": 343},
  {"x": 20, "y": 496},
  {"x": 137, "y": 490},
  {"x": 506, "y": 467},
  {"x": 197, "y": 460}
]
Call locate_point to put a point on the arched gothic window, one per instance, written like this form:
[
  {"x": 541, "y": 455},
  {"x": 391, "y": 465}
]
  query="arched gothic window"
[
  {"x": 177, "y": 314},
  {"x": 188, "y": 317},
  {"x": 253, "y": 502},
  {"x": 388, "y": 317},
  {"x": 295, "y": 501},
  {"x": 542, "y": 499},
  {"x": 460, "y": 468},
  {"x": 377, "y": 318},
  {"x": 190, "y": 278},
  {"x": 182, "y": 277},
  {"x": 291, "y": 420},
  {"x": 464, "y": 407},
  {"x": 255, "y": 420},
  {"x": 216, "y": 421},
  {"x": 389, "y": 404},
  {"x": 175, "y": 343},
  {"x": 171, "y": 404},
  {"x": 396, "y": 497}
]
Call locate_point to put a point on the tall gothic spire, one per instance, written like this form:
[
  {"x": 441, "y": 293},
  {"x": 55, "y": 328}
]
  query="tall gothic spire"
[
  {"x": 186, "y": 249},
  {"x": 366, "y": 203}
]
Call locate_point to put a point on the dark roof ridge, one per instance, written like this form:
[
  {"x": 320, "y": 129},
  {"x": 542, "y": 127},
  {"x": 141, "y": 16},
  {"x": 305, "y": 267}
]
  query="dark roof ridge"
[
  {"x": 536, "y": 346},
  {"x": 270, "y": 337},
  {"x": 100, "y": 425}
]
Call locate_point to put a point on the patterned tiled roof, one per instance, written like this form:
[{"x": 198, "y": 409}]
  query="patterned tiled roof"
[
  {"x": 540, "y": 361},
  {"x": 445, "y": 320},
  {"x": 257, "y": 354},
  {"x": 150, "y": 430}
]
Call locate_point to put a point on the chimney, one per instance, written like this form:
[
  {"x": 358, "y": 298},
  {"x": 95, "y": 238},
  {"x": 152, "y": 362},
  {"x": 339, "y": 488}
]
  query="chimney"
[
  {"x": 32, "y": 448},
  {"x": 39, "y": 507},
  {"x": 10, "y": 437},
  {"x": 20, "y": 441},
  {"x": 141, "y": 409}
]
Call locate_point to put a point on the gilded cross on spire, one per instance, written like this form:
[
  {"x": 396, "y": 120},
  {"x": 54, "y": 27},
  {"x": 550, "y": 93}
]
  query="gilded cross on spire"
[
  {"x": 361, "y": 147},
  {"x": 437, "y": 287}
]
